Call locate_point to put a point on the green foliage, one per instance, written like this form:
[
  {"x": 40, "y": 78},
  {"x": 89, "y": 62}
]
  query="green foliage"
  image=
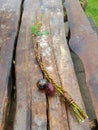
[
  {"x": 63, "y": 1},
  {"x": 92, "y": 10},
  {"x": 36, "y": 30},
  {"x": 83, "y": 3}
]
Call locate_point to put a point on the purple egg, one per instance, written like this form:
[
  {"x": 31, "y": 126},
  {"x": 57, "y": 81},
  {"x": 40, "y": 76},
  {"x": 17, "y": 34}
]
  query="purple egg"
[{"x": 49, "y": 89}]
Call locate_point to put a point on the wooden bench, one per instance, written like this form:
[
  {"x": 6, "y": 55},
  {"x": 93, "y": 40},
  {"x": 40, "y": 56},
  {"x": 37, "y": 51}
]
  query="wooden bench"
[{"x": 22, "y": 105}]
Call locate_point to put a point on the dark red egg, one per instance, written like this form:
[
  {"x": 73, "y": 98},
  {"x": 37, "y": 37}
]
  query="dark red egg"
[{"x": 49, "y": 89}]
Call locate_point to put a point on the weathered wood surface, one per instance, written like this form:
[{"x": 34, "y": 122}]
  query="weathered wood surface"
[
  {"x": 31, "y": 104},
  {"x": 80, "y": 73},
  {"x": 84, "y": 42},
  {"x": 56, "y": 110},
  {"x": 9, "y": 16},
  {"x": 64, "y": 63},
  {"x": 35, "y": 111}
]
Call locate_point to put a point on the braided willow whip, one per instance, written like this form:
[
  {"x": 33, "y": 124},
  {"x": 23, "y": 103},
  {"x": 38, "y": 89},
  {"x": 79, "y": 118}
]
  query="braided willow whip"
[{"x": 78, "y": 112}]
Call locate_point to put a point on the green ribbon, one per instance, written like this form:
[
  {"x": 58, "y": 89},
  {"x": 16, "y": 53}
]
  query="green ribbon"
[{"x": 33, "y": 29}]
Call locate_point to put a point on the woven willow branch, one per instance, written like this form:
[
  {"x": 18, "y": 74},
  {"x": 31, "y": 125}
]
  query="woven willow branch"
[{"x": 78, "y": 112}]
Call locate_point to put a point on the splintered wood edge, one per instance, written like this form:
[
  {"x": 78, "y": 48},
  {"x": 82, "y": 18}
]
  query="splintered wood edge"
[{"x": 8, "y": 31}]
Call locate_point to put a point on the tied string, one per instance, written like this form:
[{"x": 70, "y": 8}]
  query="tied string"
[{"x": 78, "y": 112}]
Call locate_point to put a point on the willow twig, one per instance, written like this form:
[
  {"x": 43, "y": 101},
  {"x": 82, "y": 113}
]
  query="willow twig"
[{"x": 78, "y": 112}]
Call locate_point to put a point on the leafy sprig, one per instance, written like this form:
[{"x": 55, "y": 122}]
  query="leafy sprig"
[{"x": 36, "y": 30}]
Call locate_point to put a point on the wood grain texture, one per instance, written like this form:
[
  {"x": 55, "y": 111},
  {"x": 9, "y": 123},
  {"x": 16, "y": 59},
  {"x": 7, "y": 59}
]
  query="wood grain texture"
[
  {"x": 64, "y": 64},
  {"x": 31, "y": 104},
  {"x": 62, "y": 58},
  {"x": 83, "y": 86},
  {"x": 56, "y": 110},
  {"x": 84, "y": 42},
  {"x": 9, "y": 16}
]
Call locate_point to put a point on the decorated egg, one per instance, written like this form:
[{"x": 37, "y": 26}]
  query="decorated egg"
[
  {"x": 49, "y": 89},
  {"x": 41, "y": 84}
]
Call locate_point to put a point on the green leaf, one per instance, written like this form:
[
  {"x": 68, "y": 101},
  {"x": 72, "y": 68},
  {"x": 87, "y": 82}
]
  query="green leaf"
[
  {"x": 33, "y": 29},
  {"x": 38, "y": 33},
  {"x": 46, "y": 33}
]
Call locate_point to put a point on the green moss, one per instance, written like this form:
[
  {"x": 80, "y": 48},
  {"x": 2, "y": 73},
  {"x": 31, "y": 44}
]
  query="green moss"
[{"x": 92, "y": 10}]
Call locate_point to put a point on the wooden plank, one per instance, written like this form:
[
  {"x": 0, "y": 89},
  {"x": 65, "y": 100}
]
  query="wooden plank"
[
  {"x": 31, "y": 104},
  {"x": 57, "y": 111},
  {"x": 84, "y": 42},
  {"x": 9, "y": 17},
  {"x": 64, "y": 64}
]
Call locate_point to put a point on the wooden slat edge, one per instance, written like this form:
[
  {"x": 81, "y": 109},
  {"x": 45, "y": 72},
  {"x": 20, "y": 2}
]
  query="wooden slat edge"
[
  {"x": 31, "y": 104},
  {"x": 8, "y": 31},
  {"x": 65, "y": 66},
  {"x": 84, "y": 42}
]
